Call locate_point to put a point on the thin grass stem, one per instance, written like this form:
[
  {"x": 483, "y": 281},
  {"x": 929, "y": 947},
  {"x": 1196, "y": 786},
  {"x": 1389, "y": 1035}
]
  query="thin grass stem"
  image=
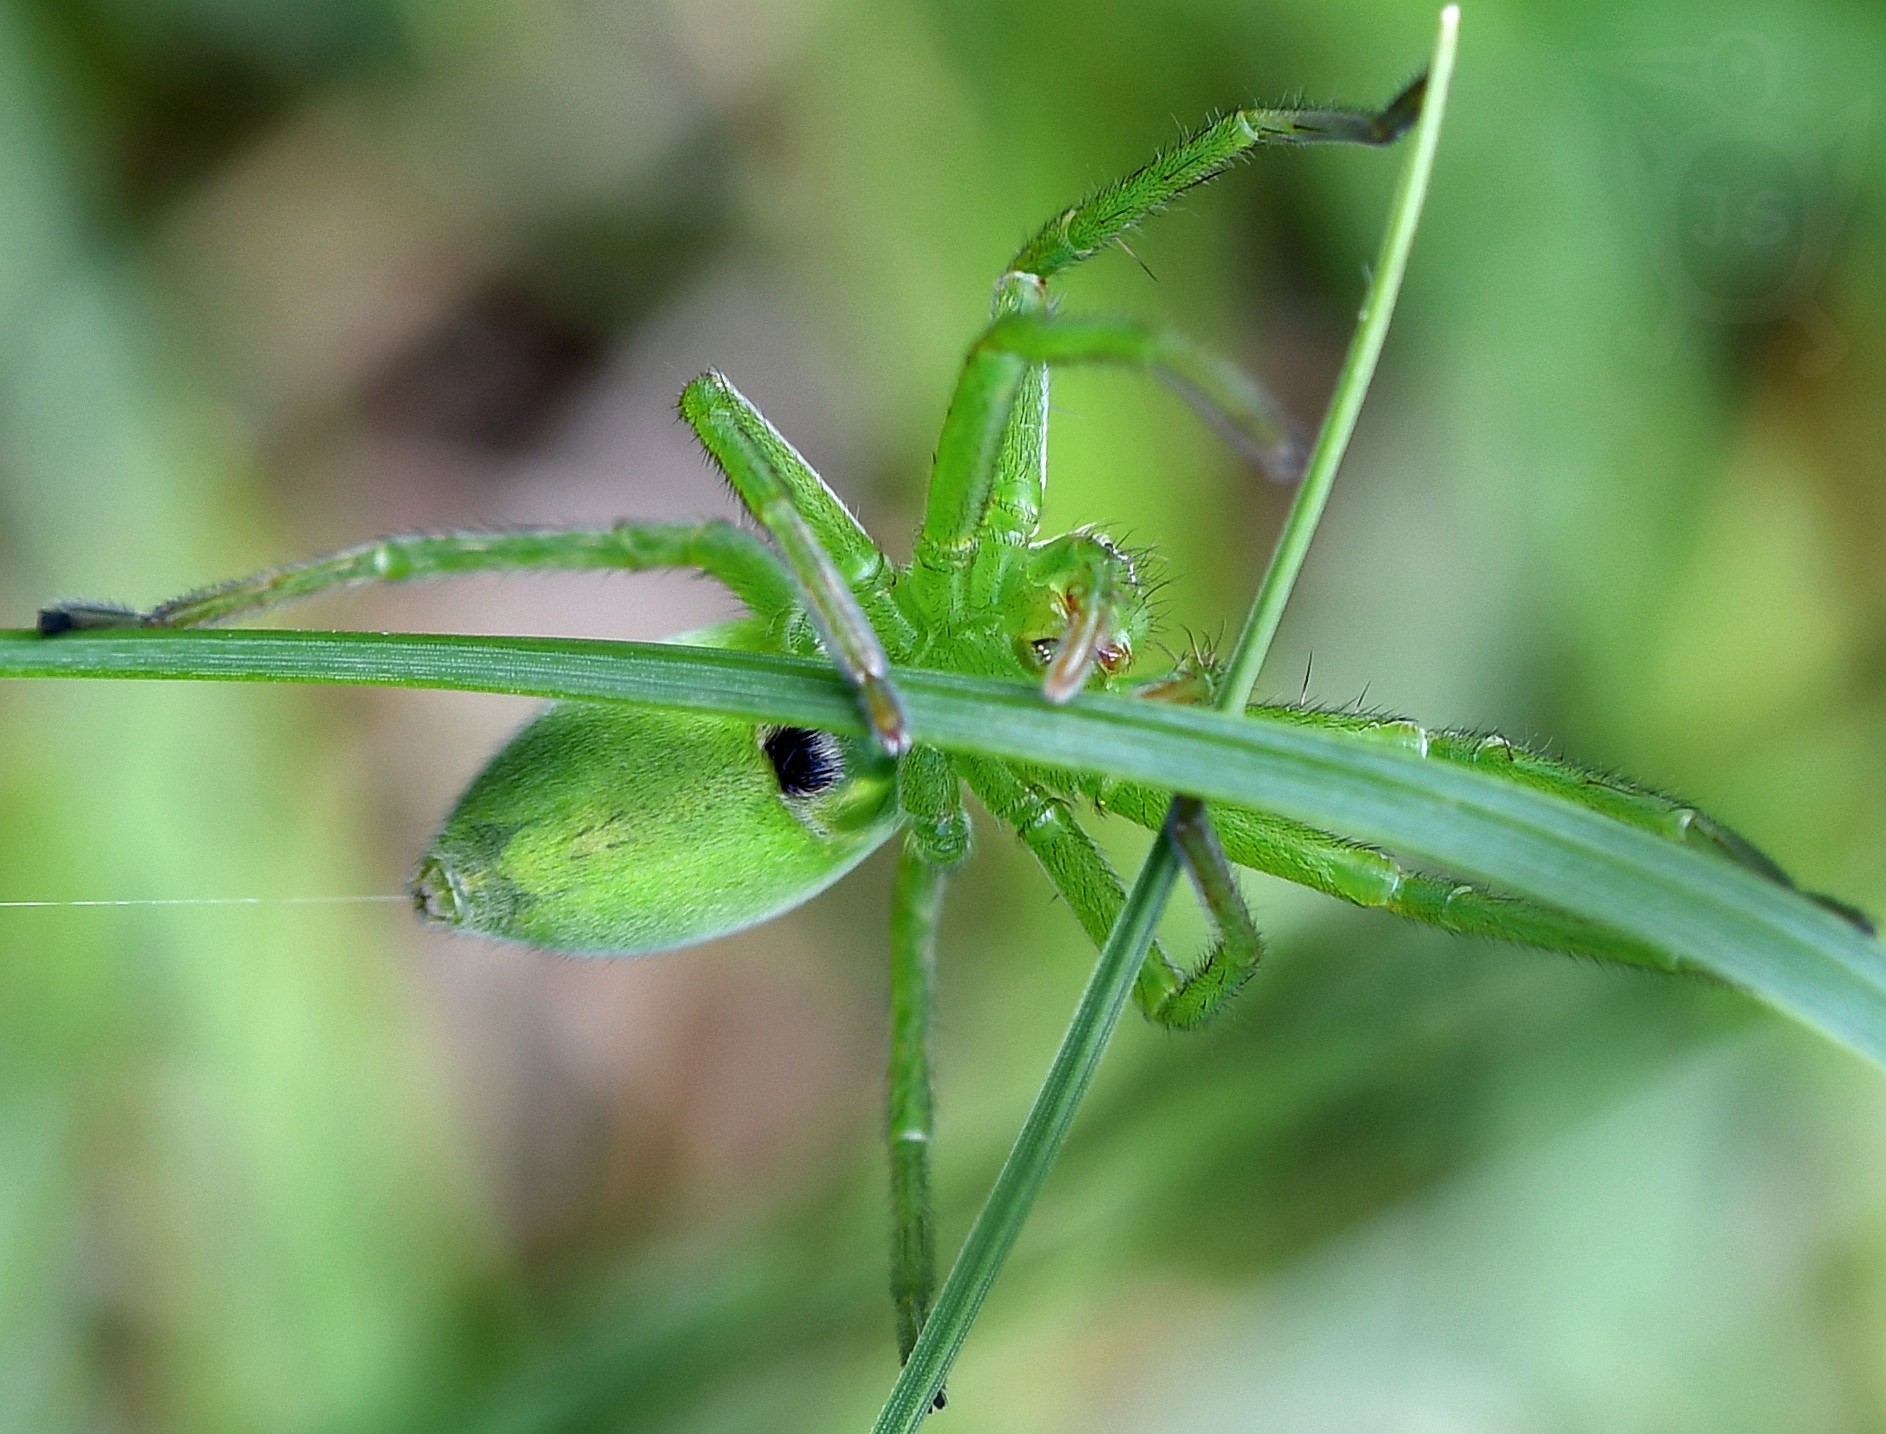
[
  {"x": 999, "y": 1223},
  {"x": 1339, "y": 421}
]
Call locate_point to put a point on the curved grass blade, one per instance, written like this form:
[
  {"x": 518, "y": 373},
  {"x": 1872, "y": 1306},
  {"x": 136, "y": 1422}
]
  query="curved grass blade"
[
  {"x": 1077, "y": 1059},
  {"x": 1753, "y": 933}
]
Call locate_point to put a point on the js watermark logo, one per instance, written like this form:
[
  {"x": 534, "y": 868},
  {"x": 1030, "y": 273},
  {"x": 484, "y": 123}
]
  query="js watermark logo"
[{"x": 1740, "y": 181}]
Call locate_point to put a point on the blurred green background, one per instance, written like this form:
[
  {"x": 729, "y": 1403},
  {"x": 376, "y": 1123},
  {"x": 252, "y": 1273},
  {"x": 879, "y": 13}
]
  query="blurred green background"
[{"x": 276, "y": 277}]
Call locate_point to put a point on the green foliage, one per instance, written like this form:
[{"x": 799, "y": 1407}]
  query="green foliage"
[{"x": 239, "y": 1189}]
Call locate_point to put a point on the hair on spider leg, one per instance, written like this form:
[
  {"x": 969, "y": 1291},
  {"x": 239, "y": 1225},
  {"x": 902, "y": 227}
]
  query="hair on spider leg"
[
  {"x": 1164, "y": 649},
  {"x": 1207, "y": 646},
  {"x": 1119, "y": 241},
  {"x": 1151, "y": 569},
  {"x": 1146, "y": 567},
  {"x": 1191, "y": 651},
  {"x": 1154, "y": 587}
]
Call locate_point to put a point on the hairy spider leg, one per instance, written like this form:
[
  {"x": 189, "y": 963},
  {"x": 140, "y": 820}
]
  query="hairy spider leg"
[
  {"x": 842, "y": 571},
  {"x": 963, "y": 475},
  {"x": 1083, "y": 878},
  {"x": 826, "y": 548},
  {"x": 1013, "y": 515},
  {"x": 936, "y": 838},
  {"x": 1644, "y": 807},
  {"x": 1105, "y": 215},
  {"x": 1108, "y": 212},
  {"x": 1233, "y": 959},
  {"x": 1368, "y": 877},
  {"x": 910, "y": 1113},
  {"x": 730, "y": 554},
  {"x": 984, "y": 510},
  {"x": 976, "y": 425}
]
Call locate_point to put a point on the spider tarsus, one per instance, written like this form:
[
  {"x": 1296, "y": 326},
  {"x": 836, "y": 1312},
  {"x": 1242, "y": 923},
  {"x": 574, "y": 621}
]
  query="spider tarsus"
[
  {"x": 85, "y": 617},
  {"x": 1852, "y": 915},
  {"x": 884, "y": 709},
  {"x": 1399, "y": 114}
]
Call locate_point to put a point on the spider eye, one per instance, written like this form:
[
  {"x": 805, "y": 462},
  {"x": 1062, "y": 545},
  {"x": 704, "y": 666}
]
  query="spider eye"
[
  {"x": 805, "y": 762},
  {"x": 1044, "y": 649}
]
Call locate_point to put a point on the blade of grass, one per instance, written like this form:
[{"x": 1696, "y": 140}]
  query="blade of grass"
[
  {"x": 1352, "y": 383},
  {"x": 998, "y": 1224},
  {"x": 1762, "y": 937},
  {"x": 1043, "y": 1133}
]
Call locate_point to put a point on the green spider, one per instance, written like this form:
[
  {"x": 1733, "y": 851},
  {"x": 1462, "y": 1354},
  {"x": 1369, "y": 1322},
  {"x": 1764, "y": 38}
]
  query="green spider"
[{"x": 605, "y": 829}]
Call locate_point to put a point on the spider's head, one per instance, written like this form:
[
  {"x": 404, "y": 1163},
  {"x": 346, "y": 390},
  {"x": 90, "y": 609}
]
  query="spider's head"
[{"x": 1082, "y": 587}]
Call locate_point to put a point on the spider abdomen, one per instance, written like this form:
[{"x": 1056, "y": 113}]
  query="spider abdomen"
[{"x": 607, "y": 829}]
